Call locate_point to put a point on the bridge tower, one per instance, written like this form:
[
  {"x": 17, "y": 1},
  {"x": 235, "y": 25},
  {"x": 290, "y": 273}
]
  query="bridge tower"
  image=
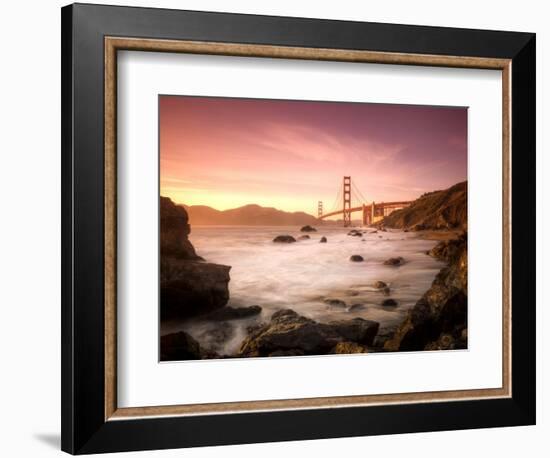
[
  {"x": 319, "y": 209},
  {"x": 347, "y": 202},
  {"x": 366, "y": 215}
]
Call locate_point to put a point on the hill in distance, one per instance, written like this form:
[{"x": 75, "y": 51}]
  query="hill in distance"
[
  {"x": 446, "y": 209},
  {"x": 249, "y": 215}
]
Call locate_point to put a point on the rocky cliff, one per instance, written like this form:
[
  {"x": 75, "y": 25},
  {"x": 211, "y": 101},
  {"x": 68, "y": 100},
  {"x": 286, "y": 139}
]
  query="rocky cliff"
[
  {"x": 445, "y": 209},
  {"x": 188, "y": 285},
  {"x": 438, "y": 321}
]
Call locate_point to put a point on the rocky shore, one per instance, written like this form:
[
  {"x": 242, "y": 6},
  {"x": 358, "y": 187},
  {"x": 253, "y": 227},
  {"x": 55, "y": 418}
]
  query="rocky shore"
[
  {"x": 438, "y": 321},
  {"x": 195, "y": 292},
  {"x": 189, "y": 286}
]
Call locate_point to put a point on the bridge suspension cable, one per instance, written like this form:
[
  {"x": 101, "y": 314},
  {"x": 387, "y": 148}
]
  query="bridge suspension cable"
[
  {"x": 357, "y": 192},
  {"x": 337, "y": 200}
]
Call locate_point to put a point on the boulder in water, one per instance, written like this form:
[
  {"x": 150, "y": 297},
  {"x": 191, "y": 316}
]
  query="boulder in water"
[
  {"x": 291, "y": 334},
  {"x": 397, "y": 261},
  {"x": 335, "y": 302},
  {"x": 284, "y": 239},
  {"x": 356, "y": 258},
  {"x": 304, "y": 237},
  {"x": 308, "y": 228},
  {"x": 323, "y": 240},
  {"x": 389, "y": 302}
]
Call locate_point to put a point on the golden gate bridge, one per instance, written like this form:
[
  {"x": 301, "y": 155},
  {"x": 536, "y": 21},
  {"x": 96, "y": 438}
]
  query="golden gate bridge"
[{"x": 372, "y": 212}]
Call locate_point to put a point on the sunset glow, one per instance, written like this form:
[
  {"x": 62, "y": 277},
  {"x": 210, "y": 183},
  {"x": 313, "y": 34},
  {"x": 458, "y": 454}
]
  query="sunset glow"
[{"x": 226, "y": 153}]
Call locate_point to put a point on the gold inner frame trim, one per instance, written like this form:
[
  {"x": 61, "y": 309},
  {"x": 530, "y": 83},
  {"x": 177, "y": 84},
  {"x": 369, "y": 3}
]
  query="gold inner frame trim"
[{"x": 114, "y": 44}]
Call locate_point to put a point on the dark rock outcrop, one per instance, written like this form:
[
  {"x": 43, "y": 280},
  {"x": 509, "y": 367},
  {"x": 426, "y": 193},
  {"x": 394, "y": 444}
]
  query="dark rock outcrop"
[
  {"x": 192, "y": 288},
  {"x": 179, "y": 346},
  {"x": 291, "y": 334},
  {"x": 380, "y": 284},
  {"x": 356, "y": 258},
  {"x": 357, "y": 330},
  {"x": 304, "y": 237},
  {"x": 323, "y": 240},
  {"x": 174, "y": 231},
  {"x": 308, "y": 228},
  {"x": 441, "y": 311},
  {"x": 355, "y": 233},
  {"x": 188, "y": 286},
  {"x": 284, "y": 239},
  {"x": 389, "y": 303},
  {"x": 335, "y": 302},
  {"x": 355, "y": 307},
  {"x": 397, "y": 261},
  {"x": 434, "y": 210},
  {"x": 447, "y": 250}
]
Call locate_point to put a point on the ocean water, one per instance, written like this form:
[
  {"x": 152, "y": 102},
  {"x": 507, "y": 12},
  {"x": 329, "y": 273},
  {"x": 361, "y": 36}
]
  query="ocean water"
[{"x": 302, "y": 275}]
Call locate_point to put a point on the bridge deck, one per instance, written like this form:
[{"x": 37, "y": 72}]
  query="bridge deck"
[{"x": 368, "y": 208}]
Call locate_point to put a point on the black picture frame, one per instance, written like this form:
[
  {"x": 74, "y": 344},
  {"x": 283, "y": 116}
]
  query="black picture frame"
[{"x": 84, "y": 428}]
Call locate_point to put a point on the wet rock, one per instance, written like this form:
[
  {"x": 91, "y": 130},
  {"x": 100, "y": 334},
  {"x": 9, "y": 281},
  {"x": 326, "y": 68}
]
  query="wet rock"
[
  {"x": 397, "y": 261},
  {"x": 323, "y": 240},
  {"x": 191, "y": 288},
  {"x": 346, "y": 348},
  {"x": 355, "y": 307},
  {"x": 289, "y": 334},
  {"x": 389, "y": 303},
  {"x": 379, "y": 284},
  {"x": 357, "y": 330},
  {"x": 284, "y": 239},
  {"x": 355, "y": 233},
  {"x": 335, "y": 302},
  {"x": 441, "y": 310},
  {"x": 356, "y": 258},
  {"x": 304, "y": 237},
  {"x": 308, "y": 228},
  {"x": 405, "y": 230},
  {"x": 179, "y": 346},
  {"x": 448, "y": 250},
  {"x": 234, "y": 313}
]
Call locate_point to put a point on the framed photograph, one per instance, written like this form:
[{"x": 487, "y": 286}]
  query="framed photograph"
[{"x": 282, "y": 228}]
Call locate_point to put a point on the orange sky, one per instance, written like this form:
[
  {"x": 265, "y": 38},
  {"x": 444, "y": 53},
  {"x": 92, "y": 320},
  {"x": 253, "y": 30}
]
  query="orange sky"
[{"x": 225, "y": 152}]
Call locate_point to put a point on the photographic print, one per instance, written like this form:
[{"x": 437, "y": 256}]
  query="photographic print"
[{"x": 297, "y": 228}]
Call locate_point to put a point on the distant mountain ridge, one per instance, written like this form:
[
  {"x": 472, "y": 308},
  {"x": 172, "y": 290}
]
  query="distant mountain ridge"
[
  {"x": 446, "y": 209},
  {"x": 248, "y": 215}
]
